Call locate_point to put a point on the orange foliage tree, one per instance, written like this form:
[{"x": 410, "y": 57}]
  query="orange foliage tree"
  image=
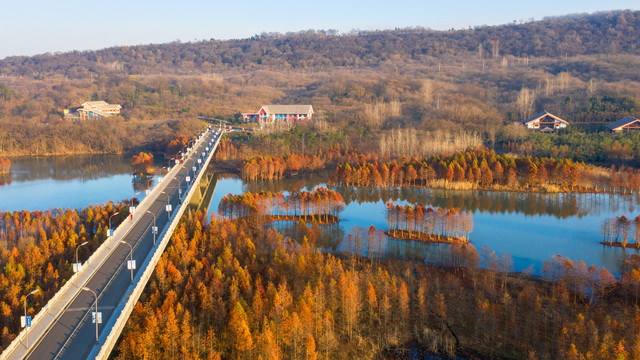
[
  {"x": 258, "y": 294},
  {"x": 37, "y": 250},
  {"x": 141, "y": 163},
  {"x": 5, "y": 165}
]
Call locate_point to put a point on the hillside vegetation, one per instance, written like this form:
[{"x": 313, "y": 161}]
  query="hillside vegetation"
[{"x": 369, "y": 89}]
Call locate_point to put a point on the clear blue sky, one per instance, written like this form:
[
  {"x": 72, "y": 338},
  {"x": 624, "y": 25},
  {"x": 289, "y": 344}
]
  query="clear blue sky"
[{"x": 29, "y": 27}]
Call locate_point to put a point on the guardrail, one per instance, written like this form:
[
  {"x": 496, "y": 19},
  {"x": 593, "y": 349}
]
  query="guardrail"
[
  {"x": 132, "y": 295},
  {"x": 56, "y": 305}
]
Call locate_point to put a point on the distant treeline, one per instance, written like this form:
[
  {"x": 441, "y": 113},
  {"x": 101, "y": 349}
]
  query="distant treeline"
[
  {"x": 600, "y": 147},
  {"x": 599, "y": 33},
  {"x": 486, "y": 169},
  {"x": 276, "y": 167}
]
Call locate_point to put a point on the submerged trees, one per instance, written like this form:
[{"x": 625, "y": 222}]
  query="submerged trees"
[
  {"x": 321, "y": 204},
  {"x": 422, "y": 223}
]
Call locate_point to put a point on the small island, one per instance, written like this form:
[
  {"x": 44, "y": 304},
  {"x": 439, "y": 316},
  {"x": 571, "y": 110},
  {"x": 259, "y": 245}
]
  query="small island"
[
  {"x": 142, "y": 164},
  {"x": 618, "y": 231},
  {"x": 417, "y": 222},
  {"x": 320, "y": 206}
]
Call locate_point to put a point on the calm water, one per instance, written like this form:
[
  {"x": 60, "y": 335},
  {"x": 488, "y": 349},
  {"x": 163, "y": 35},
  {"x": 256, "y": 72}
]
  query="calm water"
[
  {"x": 40, "y": 183},
  {"x": 530, "y": 227}
]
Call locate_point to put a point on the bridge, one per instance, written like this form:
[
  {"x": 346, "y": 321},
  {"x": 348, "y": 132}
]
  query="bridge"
[{"x": 65, "y": 327}]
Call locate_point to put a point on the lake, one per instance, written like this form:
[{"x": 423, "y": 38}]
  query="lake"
[
  {"x": 531, "y": 227},
  {"x": 40, "y": 183}
]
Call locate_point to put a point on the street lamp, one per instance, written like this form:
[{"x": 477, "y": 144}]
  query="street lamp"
[
  {"x": 111, "y": 231},
  {"x": 27, "y": 324},
  {"x": 76, "y": 267},
  {"x": 96, "y": 316},
  {"x": 131, "y": 265},
  {"x": 132, "y": 208},
  {"x": 168, "y": 206},
  {"x": 154, "y": 229}
]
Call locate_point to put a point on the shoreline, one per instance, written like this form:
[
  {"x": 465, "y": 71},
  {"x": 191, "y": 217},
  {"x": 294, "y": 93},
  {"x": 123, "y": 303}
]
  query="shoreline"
[
  {"x": 424, "y": 237},
  {"x": 308, "y": 219},
  {"x": 632, "y": 246}
]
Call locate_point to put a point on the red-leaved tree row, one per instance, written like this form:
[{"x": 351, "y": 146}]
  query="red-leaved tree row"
[
  {"x": 5, "y": 165},
  {"x": 277, "y": 167},
  {"x": 426, "y": 220},
  {"x": 482, "y": 168},
  {"x": 320, "y": 201},
  {"x": 37, "y": 250}
]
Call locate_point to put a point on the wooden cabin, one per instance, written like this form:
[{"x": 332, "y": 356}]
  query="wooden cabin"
[
  {"x": 625, "y": 124},
  {"x": 284, "y": 113},
  {"x": 545, "y": 122}
]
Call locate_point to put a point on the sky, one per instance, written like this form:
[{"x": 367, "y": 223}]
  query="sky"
[{"x": 29, "y": 27}]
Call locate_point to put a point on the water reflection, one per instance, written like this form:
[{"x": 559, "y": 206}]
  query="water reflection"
[
  {"x": 561, "y": 206},
  {"x": 87, "y": 167},
  {"x": 43, "y": 182},
  {"x": 5, "y": 179},
  {"x": 142, "y": 183},
  {"x": 531, "y": 227}
]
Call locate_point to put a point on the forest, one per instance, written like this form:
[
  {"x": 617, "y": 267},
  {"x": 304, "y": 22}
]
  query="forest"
[
  {"x": 395, "y": 109},
  {"x": 37, "y": 250},
  {"x": 218, "y": 294}
]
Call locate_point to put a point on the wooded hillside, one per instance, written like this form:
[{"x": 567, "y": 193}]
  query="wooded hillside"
[
  {"x": 412, "y": 92},
  {"x": 600, "y": 33}
]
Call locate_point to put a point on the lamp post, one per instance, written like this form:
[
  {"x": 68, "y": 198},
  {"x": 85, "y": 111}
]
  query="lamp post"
[
  {"x": 168, "y": 206},
  {"x": 132, "y": 208},
  {"x": 96, "y": 318},
  {"x": 77, "y": 262},
  {"x": 114, "y": 214},
  {"x": 131, "y": 266},
  {"x": 27, "y": 325},
  {"x": 154, "y": 229}
]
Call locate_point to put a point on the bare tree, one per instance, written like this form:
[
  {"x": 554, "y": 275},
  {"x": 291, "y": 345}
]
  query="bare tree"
[{"x": 525, "y": 101}]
